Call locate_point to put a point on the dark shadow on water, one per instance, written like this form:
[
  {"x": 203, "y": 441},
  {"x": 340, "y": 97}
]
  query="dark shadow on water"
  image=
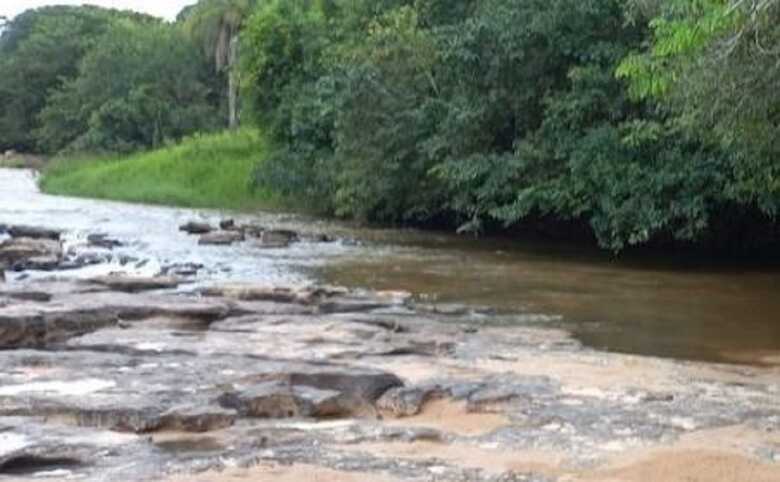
[
  {"x": 29, "y": 464},
  {"x": 678, "y": 304}
]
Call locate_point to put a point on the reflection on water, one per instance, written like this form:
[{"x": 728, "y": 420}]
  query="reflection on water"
[{"x": 693, "y": 313}]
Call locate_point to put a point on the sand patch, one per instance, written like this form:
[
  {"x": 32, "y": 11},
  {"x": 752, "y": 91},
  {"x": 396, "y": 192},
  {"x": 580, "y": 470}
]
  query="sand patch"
[
  {"x": 690, "y": 466},
  {"x": 470, "y": 457},
  {"x": 453, "y": 417},
  {"x": 277, "y": 473},
  {"x": 717, "y": 455}
]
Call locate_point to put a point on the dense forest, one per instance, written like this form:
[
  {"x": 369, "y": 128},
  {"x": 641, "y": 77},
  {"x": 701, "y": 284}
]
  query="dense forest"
[{"x": 627, "y": 122}]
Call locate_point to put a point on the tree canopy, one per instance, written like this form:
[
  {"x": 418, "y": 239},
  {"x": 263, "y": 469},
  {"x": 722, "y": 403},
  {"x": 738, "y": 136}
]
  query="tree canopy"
[
  {"x": 89, "y": 78},
  {"x": 641, "y": 121}
]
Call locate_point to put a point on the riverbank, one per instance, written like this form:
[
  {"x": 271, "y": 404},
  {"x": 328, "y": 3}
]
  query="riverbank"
[
  {"x": 271, "y": 383},
  {"x": 15, "y": 160},
  {"x": 202, "y": 362},
  {"x": 205, "y": 171}
]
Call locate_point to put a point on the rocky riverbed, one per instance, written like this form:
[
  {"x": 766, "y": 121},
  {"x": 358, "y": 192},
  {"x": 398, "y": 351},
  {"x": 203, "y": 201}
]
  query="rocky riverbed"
[{"x": 157, "y": 377}]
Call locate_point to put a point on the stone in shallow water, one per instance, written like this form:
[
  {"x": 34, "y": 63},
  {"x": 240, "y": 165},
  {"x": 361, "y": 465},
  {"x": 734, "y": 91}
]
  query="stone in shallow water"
[
  {"x": 135, "y": 284},
  {"x": 34, "y": 232},
  {"x": 30, "y": 253},
  {"x": 221, "y": 238},
  {"x": 275, "y": 239},
  {"x": 194, "y": 227},
  {"x": 103, "y": 241}
]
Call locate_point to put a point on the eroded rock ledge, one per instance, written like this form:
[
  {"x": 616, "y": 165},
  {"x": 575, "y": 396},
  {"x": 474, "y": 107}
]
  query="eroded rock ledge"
[{"x": 113, "y": 379}]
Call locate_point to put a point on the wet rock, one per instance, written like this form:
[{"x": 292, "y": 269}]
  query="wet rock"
[
  {"x": 252, "y": 230},
  {"x": 197, "y": 419},
  {"x": 34, "y": 232},
  {"x": 68, "y": 316},
  {"x": 227, "y": 225},
  {"x": 221, "y": 238},
  {"x": 281, "y": 400},
  {"x": 317, "y": 238},
  {"x": 275, "y": 239},
  {"x": 194, "y": 227},
  {"x": 361, "y": 384},
  {"x": 260, "y": 293},
  {"x": 81, "y": 260},
  {"x": 407, "y": 401},
  {"x": 29, "y": 253},
  {"x": 181, "y": 269},
  {"x": 361, "y": 301},
  {"x": 103, "y": 241},
  {"x": 134, "y": 284}
]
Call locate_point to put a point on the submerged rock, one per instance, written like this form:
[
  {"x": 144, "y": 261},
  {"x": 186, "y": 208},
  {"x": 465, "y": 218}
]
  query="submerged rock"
[
  {"x": 34, "y": 232},
  {"x": 228, "y": 225},
  {"x": 221, "y": 238},
  {"x": 194, "y": 227},
  {"x": 181, "y": 269},
  {"x": 30, "y": 253},
  {"x": 103, "y": 241},
  {"x": 275, "y": 239},
  {"x": 135, "y": 284}
]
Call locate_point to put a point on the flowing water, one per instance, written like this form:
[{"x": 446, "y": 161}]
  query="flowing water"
[{"x": 680, "y": 311}]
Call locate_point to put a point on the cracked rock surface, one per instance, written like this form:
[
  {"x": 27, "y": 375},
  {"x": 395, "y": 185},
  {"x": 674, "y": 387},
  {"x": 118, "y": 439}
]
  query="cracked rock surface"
[{"x": 122, "y": 379}]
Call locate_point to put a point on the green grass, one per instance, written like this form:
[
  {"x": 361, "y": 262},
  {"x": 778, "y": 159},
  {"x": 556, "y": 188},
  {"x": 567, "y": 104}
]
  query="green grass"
[{"x": 208, "y": 171}]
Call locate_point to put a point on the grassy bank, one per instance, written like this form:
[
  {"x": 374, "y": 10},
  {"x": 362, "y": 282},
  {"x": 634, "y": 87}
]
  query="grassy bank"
[{"x": 203, "y": 171}]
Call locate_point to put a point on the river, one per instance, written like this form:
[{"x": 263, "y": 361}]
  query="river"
[{"x": 678, "y": 311}]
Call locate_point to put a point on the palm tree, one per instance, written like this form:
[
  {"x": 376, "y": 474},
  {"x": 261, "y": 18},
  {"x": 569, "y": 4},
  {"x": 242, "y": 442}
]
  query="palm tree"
[{"x": 216, "y": 24}]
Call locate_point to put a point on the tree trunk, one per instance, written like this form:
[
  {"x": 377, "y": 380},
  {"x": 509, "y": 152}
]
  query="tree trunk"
[{"x": 233, "y": 84}]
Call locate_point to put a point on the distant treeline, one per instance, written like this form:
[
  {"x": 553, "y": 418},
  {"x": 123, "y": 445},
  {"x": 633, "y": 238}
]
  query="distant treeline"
[{"x": 644, "y": 120}]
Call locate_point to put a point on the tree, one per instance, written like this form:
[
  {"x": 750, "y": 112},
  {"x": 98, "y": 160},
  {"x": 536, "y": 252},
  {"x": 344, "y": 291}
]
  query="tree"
[
  {"x": 715, "y": 66},
  {"x": 216, "y": 25},
  {"x": 141, "y": 85},
  {"x": 39, "y": 50}
]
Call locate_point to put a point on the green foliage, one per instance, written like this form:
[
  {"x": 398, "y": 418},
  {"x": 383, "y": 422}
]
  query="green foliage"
[
  {"x": 681, "y": 32},
  {"x": 139, "y": 86},
  {"x": 39, "y": 50},
  {"x": 719, "y": 71},
  {"x": 497, "y": 111},
  {"x": 86, "y": 78},
  {"x": 202, "y": 171},
  {"x": 645, "y": 119}
]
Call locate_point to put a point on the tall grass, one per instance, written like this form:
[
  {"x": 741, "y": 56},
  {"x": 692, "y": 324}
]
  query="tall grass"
[{"x": 210, "y": 170}]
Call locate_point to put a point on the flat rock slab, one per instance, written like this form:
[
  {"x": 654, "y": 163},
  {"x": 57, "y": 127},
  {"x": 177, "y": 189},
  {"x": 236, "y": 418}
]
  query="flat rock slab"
[
  {"x": 221, "y": 238},
  {"x": 33, "y": 232},
  {"x": 134, "y": 284},
  {"x": 30, "y": 253},
  {"x": 349, "y": 380}
]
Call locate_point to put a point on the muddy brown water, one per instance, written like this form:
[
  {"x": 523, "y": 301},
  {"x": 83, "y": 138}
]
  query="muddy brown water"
[
  {"x": 699, "y": 313},
  {"x": 679, "y": 310}
]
